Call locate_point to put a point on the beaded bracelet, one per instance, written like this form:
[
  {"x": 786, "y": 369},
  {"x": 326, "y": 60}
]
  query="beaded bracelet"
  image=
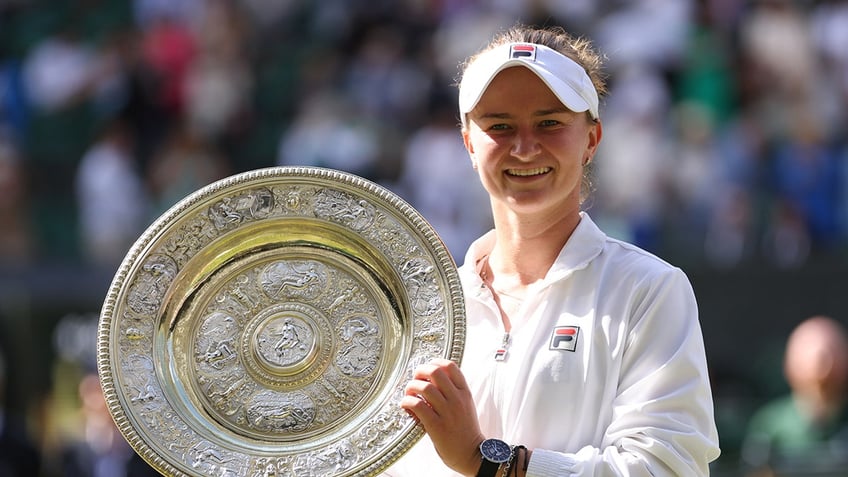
[{"x": 522, "y": 457}]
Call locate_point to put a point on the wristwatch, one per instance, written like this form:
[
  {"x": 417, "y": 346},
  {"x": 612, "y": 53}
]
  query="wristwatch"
[{"x": 495, "y": 452}]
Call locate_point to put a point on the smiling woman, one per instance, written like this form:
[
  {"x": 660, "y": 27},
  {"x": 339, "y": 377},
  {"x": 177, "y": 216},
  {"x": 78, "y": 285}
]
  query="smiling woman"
[
  {"x": 529, "y": 149},
  {"x": 584, "y": 354},
  {"x": 569, "y": 67}
]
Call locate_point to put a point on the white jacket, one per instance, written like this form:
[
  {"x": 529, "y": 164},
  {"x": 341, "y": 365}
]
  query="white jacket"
[{"x": 627, "y": 394}]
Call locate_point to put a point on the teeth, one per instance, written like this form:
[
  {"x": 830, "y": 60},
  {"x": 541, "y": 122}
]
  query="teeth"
[{"x": 528, "y": 172}]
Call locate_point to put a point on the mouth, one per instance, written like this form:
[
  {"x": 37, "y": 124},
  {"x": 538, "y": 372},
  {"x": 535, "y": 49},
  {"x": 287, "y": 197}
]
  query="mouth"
[{"x": 528, "y": 172}]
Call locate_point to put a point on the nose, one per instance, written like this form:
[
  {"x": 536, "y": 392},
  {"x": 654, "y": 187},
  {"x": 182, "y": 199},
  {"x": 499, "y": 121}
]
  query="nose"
[{"x": 525, "y": 145}]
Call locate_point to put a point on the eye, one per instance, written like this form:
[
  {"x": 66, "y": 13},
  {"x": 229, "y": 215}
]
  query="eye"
[
  {"x": 548, "y": 123},
  {"x": 498, "y": 127}
]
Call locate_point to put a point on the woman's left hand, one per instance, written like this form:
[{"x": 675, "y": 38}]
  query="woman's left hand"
[{"x": 439, "y": 397}]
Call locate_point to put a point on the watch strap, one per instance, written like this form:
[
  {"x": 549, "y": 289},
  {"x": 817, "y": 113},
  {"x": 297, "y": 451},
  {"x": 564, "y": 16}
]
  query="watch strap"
[{"x": 488, "y": 468}]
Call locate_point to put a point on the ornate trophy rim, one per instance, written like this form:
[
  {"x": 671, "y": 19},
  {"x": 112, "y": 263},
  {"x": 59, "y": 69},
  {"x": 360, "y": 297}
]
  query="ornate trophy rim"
[{"x": 269, "y": 321}]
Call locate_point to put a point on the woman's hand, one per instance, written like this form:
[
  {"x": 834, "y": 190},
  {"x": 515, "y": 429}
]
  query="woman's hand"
[{"x": 438, "y": 396}]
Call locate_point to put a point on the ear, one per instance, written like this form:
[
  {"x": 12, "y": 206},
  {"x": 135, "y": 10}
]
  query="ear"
[
  {"x": 466, "y": 140},
  {"x": 596, "y": 131}
]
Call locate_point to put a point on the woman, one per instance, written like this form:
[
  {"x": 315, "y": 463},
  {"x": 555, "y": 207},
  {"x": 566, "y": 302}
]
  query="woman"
[{"x": 584, "y": 354}]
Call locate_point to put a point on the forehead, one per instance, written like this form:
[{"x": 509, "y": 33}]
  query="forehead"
[{"x": 517, "y": 85}]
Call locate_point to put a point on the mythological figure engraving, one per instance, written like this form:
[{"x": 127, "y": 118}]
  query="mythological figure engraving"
[
  {"x": 140, "y": 380},
  {"x": 266, "y": 467},
  {"x": 292, "y": 200},
  {"x": 341, "y": 207},
  {"x": 424, "y": 294},
  {"x": 292, "y": 278},
  {"x": 281, "y": 412},
  {"x": 285, "y": 341},
  {"x": 359, "y": 353},
  {"x": 379, "y": 430},
  {"x": 157, "y": 273},
  {"x": 241, "y": 291},
  {"x": 289, "y": 339},
  {"x": 231, "y": 211},
  {"x": 215, "y": 345},
  {"x": 211, "y": 461},
  {"x": 218, "y": 352},
  {"x": 351, "y": 294},
  {"x": 328, "y": 461},
  {"x": 228, "y": 394}
]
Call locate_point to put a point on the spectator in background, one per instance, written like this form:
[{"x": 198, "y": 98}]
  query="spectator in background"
[
  {"x": 439, "y": 181},
  {"x": 186, "y": 162},
  {"x": 101, "y": 451},
  {"x": 806, "y": 430},
  {"x": 829, "y": 29},
  {"x": 326, "y": 133},
  {"x": 18, "y": 456},
  {"x": 806, "y": 175},
  {"x": 60, "y": 70},
  {"x": 381, "y": 81},
  {"x": 147, "y": 13},
  {"x": 694, "y": 180},
  {"x": 219, "y": 81},
  {"x": 168, "y": 49},
  {"x": 16, "y": 238},
  {"x": 786, "y": 240},
  {"x": 729, "y": 237},
  {"x": 779, "y": 60},
  {"x": 111, "y": 196},
  {"x": 636, "y": 156},
  {"x": 81, "y": 438},
  {"x": 14, "y": 111}
]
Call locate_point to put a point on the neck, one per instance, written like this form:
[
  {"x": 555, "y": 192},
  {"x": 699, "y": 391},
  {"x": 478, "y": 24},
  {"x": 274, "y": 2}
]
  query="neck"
[{"x": 525, "y": 249}]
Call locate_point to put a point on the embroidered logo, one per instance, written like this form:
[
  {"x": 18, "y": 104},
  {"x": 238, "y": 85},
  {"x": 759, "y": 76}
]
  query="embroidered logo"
[
  {"x": 565, "y": 338},
  {"x": 522, "y": 50}
]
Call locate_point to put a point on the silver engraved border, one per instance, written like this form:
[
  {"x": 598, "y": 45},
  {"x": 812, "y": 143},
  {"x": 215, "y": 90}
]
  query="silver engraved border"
[{"x": 113, "y": 333}]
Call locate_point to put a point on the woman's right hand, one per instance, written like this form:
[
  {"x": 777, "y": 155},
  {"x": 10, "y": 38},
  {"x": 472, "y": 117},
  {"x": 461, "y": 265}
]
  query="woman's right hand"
[{"x": 439, "y": 398}]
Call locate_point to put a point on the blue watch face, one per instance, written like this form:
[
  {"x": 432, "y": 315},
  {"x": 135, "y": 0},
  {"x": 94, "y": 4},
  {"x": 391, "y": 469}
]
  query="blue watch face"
[{"x": 495, "y": 450}]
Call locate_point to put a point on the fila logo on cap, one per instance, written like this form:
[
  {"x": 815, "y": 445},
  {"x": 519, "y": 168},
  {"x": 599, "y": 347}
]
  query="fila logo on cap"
[
  {"x": 565, "y": 338},
  {"x": 522, "y": 50}
]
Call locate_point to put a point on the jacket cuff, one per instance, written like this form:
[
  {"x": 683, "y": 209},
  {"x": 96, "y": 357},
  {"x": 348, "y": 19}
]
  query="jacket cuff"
[{"x": 545, "y": 463}]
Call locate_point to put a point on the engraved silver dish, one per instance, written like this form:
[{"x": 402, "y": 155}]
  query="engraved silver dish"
[{"x": 268, "y": 323}]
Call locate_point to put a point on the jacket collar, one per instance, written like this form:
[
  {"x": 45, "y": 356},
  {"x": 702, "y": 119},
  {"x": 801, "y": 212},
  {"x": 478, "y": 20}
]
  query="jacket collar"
[{"x": 586, "y": 243}]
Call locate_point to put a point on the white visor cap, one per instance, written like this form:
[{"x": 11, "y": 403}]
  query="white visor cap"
[{"x": 567, "y": 79}]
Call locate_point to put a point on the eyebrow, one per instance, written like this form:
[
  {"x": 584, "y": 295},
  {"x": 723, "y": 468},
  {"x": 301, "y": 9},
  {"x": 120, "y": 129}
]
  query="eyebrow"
[
  {"x": 557, "y": 110},
  {"x": 541, "y": 112}
]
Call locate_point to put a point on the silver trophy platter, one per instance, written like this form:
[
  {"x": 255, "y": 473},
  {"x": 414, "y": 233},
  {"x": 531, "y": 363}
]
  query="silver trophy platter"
[{"x": 268, "y": 323}]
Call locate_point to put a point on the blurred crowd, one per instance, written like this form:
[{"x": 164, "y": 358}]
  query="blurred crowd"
[
  {"x": 725, "y": 126},
  {"x": 724, "y": 132}
]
